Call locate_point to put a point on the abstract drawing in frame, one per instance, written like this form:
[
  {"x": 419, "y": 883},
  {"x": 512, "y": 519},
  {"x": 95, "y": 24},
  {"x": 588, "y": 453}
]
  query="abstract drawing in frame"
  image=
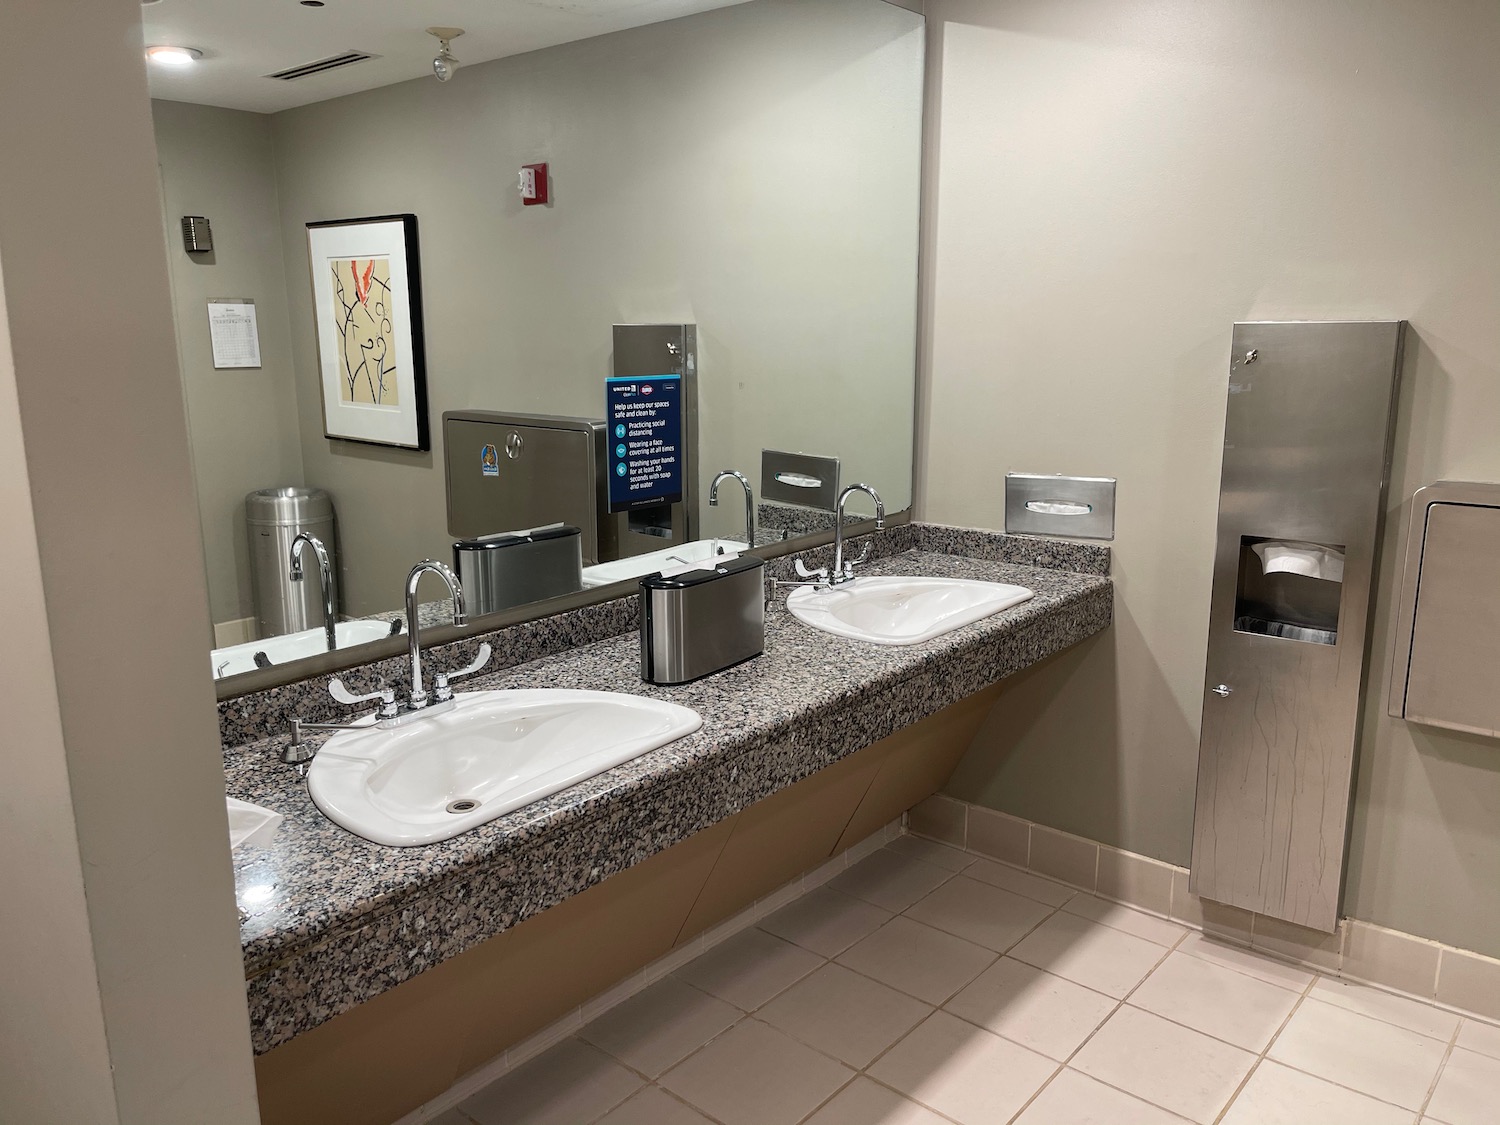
[{"x": 367, "y": 300}]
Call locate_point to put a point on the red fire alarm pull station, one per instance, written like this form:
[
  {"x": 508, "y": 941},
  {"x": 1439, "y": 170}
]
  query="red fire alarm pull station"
[{"x": 533, "y": 184}]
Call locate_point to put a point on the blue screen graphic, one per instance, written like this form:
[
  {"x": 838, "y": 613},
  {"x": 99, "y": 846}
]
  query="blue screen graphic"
[{"x": 645, "y": 440}]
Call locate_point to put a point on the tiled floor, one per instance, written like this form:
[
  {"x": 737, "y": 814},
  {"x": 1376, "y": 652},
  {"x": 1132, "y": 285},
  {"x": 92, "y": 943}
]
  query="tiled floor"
[{"x": 925, "y": 985}]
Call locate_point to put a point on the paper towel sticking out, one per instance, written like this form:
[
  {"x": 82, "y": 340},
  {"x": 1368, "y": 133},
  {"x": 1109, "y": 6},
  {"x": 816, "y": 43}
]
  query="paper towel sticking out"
[
  {"x": 1312, "y": 560},
  {"x": 250, "y": 824}
]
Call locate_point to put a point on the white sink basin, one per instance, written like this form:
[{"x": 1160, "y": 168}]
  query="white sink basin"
[
  {"x": 441, "y": 775},
  {"x": 901, "y": 611},
  {"x": 234, "y": 659},
  {"x": 637, "y": 566}
]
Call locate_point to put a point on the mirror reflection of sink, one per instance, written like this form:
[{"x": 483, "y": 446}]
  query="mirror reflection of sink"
[
  {"x": 602, "y": 574},
  {"x": 234, "y": 659},
  {"x": 901, "y": 611},
  {"x": 493, "y": 752}
]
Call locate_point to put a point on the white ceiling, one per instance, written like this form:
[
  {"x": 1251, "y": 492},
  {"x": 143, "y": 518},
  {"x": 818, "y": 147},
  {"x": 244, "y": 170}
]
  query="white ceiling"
[{"x": 244, "y": 40}]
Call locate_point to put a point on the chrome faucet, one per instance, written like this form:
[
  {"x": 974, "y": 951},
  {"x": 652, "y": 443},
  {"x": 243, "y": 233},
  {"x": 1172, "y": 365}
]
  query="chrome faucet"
[
  {"x": 418, "y": 698},
  {"x": 325, "y": 576},
  {"x": 843, "y": 571},
  {"x": 713, "y": 500}
]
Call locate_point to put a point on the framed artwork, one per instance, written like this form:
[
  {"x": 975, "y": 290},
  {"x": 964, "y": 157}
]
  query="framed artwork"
[{"x": 367, "y": 299}]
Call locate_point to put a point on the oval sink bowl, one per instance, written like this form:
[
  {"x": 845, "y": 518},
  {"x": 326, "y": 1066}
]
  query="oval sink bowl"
[
  {"x": 494, "y": 751},
  {"x": 901, "y": 611}
]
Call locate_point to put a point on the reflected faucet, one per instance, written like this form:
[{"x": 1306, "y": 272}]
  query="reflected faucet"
[
  {"x": 325, "y": 576},
  {"x": 844, "y": 571},
  {"x": 713, "y": 501},
  {"x": 418, "y": 697}
]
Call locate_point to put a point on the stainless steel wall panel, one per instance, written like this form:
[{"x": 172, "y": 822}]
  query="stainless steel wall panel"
[{"x": 1308, "y": 425}]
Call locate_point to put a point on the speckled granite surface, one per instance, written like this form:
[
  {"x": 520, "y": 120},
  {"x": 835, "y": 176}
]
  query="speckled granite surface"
[{"x": 329, "y": 920}]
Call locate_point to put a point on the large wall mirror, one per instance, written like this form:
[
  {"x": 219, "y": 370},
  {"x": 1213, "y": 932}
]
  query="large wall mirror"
[{"x": 730, "y": 225}]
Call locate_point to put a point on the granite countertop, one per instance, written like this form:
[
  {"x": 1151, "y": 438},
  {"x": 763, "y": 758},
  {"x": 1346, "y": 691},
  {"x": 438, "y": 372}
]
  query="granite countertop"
[{"x": 329, "y": 920}]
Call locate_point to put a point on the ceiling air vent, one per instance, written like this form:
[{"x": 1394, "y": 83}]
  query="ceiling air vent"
[{"x": 332, "y": 62}]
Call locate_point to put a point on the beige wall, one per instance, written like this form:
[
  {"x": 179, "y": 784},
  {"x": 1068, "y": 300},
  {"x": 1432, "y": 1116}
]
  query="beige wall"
[
  {"x": 752, "y": 169},
  {"x": 122, "y": 998},
  {"x": 1116, "y": 184},
  {"x": 243, "y": 422}
]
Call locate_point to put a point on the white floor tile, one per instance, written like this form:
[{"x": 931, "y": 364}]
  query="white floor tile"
[
  {"x": 963, "y": 1071},
  {"x": 930, "y": 851},
  {"x": 1169, "y": 1066},
  {"x": 863, "y": 1102},
  {"x": 926, "y": 963},
  {"x": 660, "y": 1026},
  {"x": 1468, "y": 1093},
  {"x": 1119, "y": 917},
  {"x": 653, "y": 1106},
  {"x": 844, "y": 1014},
  {"x": 825, "y": 921},
  {"x": 755, "y": 1075},
  {"x": 1399, "y": 1010},
  {"x": 1279, "y": 1095},
  {"x": 1073, "y": 1098},
  {"x": 890, "y": 880},
  {"x": 1020, "y": 882},
  {"x": 1216, "y": 1001},
  {"x": 1375, "y": 1058},
  {"x": 1481, "y": 1037},
  {"x": 1098, "y": 957},
  {"x": 1035, "y": 1009},
  {"x": 979, "y": 913},
  {"x": 1242, "y": 960},
  {"x": 749, "y": 968},
  {"x": 570, "y": 1083}
]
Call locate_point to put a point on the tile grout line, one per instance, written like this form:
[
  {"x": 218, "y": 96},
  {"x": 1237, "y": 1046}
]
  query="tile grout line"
[
  {"x": 1119, "y": 1004},
  {"x": 1442, "y": 1066},
  {"x": 1266, "y": 1050}
]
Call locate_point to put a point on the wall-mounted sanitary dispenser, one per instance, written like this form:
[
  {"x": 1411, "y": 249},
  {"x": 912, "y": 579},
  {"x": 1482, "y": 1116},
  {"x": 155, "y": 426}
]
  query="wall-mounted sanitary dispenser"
[
  {"x": 1445, "y": 668},
  {"x": 1307, "y": 442}
]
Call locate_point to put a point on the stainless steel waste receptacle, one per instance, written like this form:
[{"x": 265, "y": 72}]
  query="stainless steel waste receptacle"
[{"x": 273, "y": 518}]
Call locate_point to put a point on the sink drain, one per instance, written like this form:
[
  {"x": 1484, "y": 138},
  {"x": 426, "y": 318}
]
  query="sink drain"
[{"x": 463, "y": 804}]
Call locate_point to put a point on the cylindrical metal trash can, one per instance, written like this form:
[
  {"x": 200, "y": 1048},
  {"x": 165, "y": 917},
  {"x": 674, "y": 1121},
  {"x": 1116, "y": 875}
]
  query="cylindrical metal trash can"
[{"x": 273, "y": 518}]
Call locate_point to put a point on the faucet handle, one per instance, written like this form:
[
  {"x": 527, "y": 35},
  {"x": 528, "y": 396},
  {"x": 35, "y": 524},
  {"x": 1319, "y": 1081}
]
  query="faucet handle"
[
  {"x": 441, "y": 691},
  {"x": 387, "y": 697},
  {"x": 804, "y": 572}
]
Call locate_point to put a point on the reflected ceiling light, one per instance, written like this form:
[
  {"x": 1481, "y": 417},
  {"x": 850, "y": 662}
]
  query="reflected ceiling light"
[
  {"x": 444, "y": 65},
  {"x": 174, "y": 56}
]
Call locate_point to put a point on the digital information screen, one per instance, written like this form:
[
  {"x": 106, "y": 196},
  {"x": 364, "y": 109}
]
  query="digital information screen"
[{"x": 645, "y": 440}]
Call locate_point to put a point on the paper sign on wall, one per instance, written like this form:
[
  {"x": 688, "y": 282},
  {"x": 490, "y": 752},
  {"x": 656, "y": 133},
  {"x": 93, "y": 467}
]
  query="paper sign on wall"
[{"x": 233, "y": 332}]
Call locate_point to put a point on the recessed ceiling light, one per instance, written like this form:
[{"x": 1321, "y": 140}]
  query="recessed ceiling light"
[{"x": 174, "y": 56}]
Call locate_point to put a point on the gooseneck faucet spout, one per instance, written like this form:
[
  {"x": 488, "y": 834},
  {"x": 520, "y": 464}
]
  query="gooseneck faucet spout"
[
  {"x": 325, "y": 576},
  {"x": 844, "y": 571},
  {"x": 418, "y": 698},
  {"x": 713, "y": 500}
]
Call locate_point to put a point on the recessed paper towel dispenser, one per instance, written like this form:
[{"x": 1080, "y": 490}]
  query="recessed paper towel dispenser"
[
  {"x": 1307, "y": 441},
  {"x": 1445, "y": 668}
]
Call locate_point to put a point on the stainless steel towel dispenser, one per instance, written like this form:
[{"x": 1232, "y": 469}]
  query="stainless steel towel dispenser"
[
  {"x": 702, "y": 621},
  {"x": 1445, "y": 669},
  {"x": 1307, "y": 443}
]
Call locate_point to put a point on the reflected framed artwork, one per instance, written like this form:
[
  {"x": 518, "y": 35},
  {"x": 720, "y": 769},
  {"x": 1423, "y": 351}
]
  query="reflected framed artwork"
[{"x": 367, "y": 300}]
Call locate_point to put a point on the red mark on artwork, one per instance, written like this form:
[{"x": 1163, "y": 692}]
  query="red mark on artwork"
[{"x": 362, "y": 284}]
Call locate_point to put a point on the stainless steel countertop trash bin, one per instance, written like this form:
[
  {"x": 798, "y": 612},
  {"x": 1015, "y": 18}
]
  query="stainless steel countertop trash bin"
[{"x": 273, "y": 518}]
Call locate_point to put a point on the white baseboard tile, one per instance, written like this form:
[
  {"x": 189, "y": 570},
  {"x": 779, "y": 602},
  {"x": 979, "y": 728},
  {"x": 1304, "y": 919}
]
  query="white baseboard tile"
[
  {"x": 1407, "y": 964},
  {"x": 502, "y": 1064}
]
